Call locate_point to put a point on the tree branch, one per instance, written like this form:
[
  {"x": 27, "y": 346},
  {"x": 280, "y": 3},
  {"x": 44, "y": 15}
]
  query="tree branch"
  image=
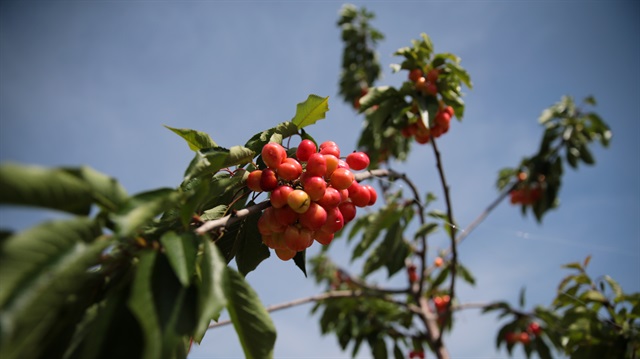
[
  {"x": 324, "y": 296},
  {"x": 452, "y": 226}
]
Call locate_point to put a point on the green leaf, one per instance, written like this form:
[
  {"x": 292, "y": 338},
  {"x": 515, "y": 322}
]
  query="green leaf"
[
  {"x": 284, "y": 129},
  {"x": 48, "y": 275},
  {"x": 593, "y": 296},
  {"x": 300, "y": 261},
  {"x": 141, "y": 303},
  {"x": 105, "y": 190},
  {"x": 310, "y": 111},
  {"x": 250, "y": 251},
  {"x": 197, "y": 140},
  {"x": 211, "y": 288},
  {"x": 212, "y": 160},
  {"x": 250, "y": 319},
  {"x": 141, "y": 209},
  {"x": 42, "y": 187},
  {"x": 181, "y": 253},
  {"x": 522, "y": 297},
  {"x": 426, "y": 229},
  {"x": 214, "y": 213},
  {"x": 615, "y": 287},
  {"x": 465, "y": 274}
]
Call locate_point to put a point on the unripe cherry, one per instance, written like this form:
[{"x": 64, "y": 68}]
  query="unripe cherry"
[
  {"x": 299, "y": 201},
  {"x": 358, "y": 160},
  {"x": 305, "y": 149},
  {"x": 273, "y": 154}
]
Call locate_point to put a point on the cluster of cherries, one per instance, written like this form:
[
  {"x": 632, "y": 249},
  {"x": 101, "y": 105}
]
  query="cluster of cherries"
[
  {"x": 525, "y": 195},
  {"x": 440, "y": 125},
  {"x": 312, "y": 195},
  {"x": 425, "y": 84},
  {"x": 533, "y": 329}
]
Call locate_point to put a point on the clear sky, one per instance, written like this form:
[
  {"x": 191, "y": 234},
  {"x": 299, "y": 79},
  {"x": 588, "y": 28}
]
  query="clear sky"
[{"x": 92, "y": 82}]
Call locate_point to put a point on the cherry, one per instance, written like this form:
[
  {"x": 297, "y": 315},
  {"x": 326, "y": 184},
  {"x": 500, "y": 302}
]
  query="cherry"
[
  {"x": 438, "y": 262},
  {"x": 314, "y": 218},
  {"x": 316, "y": 165},
  {"x": 415, "y": 74},
  {"x": 524, "y": 338},
  {"x": 348, "y": 211},
  {"x": 341, "y": 178},
  {"x": 534, "y": 328},
  {"x": 289, "y": 169},
  {"x": 299, "y": 201},
  {"x": 268, "y": 180},
  {"x": 285, "y": 253},
  {"x": 253, "y": 181},
  {"x": 279, "y": 196},
  {"x": 273, "y": 154},
  {"x": 305, "y": 149},
  {"x": 358, "y": 160},
  {"x": 432, "y": 76},
  {"x": 315, "y": 187}
]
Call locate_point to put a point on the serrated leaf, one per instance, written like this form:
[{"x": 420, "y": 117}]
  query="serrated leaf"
[
  {"x": 141, "y": 303},
  {"x": 250, "y": 319},
  {"x": 181, "y": 252},
  {"x": 310, "y": 111},
  {"x": 211, "y": 288},
  {"x": 197, "y": 140},
  {"x": 285, "y": 129}
]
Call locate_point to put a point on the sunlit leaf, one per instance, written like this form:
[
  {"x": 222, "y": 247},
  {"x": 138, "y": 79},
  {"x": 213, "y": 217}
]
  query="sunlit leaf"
[
  {"x": 313, "y": 109},
  {"x": 197, "y": 140}
]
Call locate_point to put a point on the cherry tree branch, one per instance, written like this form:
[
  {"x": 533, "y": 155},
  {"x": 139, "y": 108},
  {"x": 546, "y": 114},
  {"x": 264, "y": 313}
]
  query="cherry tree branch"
[
  {"x": 325, "y": 296},
  {"x": 452, "y": 227}
]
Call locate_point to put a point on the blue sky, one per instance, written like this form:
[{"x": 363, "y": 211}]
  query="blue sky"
[{"x": 92, "y": 83}]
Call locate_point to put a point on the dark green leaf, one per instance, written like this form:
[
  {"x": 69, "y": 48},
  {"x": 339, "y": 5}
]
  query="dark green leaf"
[
  {"x": 250, "y": 250},
  {"x": 48, "y": 275},
  {"x": 211, "y": 289},
  {"x": 42, "y": 187},
  {"x": 141, "y": 304},
  {"x": 464, "y": 273},
  {"x": 522, "y": 297},
  {"x": 181, "y": 251},
  {"x": 300, "y": 261},
  {"x": 142, "y": 208},
  {"x": 285, "y": 129},
  {"x": 253, "y": 325},
  {"x": 426, "y": 229},
  {"x": 197, "y": 140},
  {"x": 310, "y": 111}
]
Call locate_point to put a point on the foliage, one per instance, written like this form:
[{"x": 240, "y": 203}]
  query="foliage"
[
  {"x": 144, "y": 275},
  {"x": 587, "y": 319}
]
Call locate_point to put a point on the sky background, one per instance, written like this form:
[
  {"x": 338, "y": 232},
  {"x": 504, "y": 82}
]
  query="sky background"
[{"x": 92, "y": 83}]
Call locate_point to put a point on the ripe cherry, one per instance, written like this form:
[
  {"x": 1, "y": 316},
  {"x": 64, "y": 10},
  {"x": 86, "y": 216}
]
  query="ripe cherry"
[
  {"x": 415, "y": 74},
  {"x": 348, "y": 211},
  {"x": 268, "y": 180},
  {"x": 316, "y": 165},
  {"x": 273, "y": 154},
  {"x": 279, "y": 196},
  {"x": 289, "y": 169},
  {"x": 432, "y": 76},
  {"x": 314, "y": 218},
  {"x": 285, "y": 253},
  {"x": 253, "y": 181},
  {"x": 341, "y": 178},
  {"x": 305, "y": 149},
  {"x": 358, "y": 160}
]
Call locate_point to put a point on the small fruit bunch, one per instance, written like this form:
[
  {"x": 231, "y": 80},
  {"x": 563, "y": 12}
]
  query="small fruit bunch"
[
  {"x": 524, "y": 337},
  {"x": 439, "y": 126},
  {"x": 426, "y": 84},
  {"x": 312, "y": 195},
  {"x": 526, "y": 193}
]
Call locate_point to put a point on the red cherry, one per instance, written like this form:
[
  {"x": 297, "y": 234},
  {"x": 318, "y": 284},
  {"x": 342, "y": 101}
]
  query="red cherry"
[
  {"x": 358, "y": 160},
  {"x": 305, "y": 149}
]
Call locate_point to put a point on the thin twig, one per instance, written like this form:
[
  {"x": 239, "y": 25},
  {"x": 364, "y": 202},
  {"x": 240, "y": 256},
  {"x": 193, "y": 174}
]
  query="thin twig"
[
  {"x": 324, "y": 296},
  {"x": 232, "y": 218},
  {"x": 452, "y": 227}
]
